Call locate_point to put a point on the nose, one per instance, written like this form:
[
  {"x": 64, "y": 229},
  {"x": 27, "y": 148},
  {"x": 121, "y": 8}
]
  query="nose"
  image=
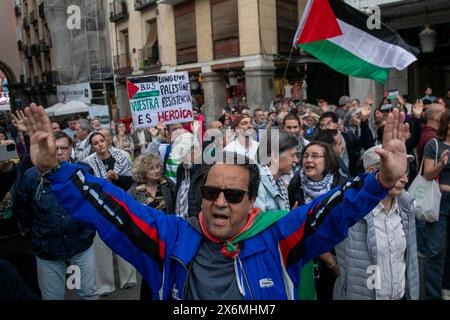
[
  {"x": 404, "y": 179},
  {"x": 221, "y": 202}
]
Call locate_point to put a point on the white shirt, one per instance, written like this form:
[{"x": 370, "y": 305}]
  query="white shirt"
[
  {"x": 235, "y": 146},
  {"x": 391, "y": 252}
]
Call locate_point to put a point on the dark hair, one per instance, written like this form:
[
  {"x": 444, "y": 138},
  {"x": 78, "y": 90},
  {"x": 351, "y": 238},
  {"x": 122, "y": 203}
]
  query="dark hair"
[
  {"x": 3, "y": 131},
  {"x": 325, "y": 135},
  {"x": 243, "y": 162},
  {"x": 329, "y": 114},
  {"x": 286, "y": 141},
  {"x": 443, "y": 125},
  {"x": 223, "y": 118},
  {"x": 63, "y": 135},
  {"x": 291, "y": 116},
  {"x": 331, "y": 159},
  {"x": 94, "y": 135}
]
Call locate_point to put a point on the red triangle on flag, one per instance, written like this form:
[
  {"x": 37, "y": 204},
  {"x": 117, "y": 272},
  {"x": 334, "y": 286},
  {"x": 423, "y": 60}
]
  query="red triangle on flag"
[
  {"x": 321, "y": 23},
  {"x": 132, "y": 89}
]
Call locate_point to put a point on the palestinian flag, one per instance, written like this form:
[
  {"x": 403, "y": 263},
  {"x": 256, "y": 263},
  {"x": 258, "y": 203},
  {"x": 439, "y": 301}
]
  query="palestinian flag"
[{"x": 337, "y": 34}]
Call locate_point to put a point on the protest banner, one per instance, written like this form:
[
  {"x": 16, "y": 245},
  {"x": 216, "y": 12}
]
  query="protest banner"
[{"x": 160, "y": 98}]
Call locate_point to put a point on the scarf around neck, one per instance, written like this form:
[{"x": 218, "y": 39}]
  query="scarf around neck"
[
  {"x": 257, "y": 222},
  {"x": 313, "y": 189}
]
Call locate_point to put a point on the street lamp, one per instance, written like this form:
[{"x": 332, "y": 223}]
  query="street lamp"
[{"x": 427, "y": 39}]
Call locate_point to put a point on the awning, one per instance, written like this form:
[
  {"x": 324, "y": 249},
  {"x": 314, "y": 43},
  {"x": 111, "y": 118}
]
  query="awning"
[
  {"x": 152, "y": 35},
  {"x": 61, "y": 109}
]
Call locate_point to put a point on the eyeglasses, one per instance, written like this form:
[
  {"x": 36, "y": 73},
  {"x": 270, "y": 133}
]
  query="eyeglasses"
[
  {"x": 314, "y": 156},
  {"x": 231, "y": 195},
  {"x": 62, "y": 148}
]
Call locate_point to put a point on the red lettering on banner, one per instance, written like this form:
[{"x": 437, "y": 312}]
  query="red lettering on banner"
[{"x": 173, "y": 115}]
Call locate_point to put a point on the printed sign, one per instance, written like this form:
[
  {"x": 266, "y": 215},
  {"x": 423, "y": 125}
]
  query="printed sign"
[
  {"x": 79, "y": 91},
  {"x": 101, "y": 112},
  {"x": 160, "y": 98}
]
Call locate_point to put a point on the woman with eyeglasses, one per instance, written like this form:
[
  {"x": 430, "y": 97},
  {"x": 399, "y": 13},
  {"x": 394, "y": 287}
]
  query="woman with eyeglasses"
[
  {"x": 153, "y": 190},
  {"x": 318, "y": 174}
]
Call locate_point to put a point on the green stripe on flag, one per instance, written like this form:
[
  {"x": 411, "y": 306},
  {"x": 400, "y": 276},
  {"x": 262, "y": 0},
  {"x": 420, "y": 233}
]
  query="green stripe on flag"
[
  {"x": 344, "y": 62},
  {"x": 146, "y": 94}
]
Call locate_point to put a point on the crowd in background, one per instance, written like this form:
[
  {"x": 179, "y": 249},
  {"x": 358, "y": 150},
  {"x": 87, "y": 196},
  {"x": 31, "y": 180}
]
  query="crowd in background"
[{"x": 320, "y": 146}]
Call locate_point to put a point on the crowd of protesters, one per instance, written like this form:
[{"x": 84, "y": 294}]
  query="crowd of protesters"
[{"x": 318, "y": 148}]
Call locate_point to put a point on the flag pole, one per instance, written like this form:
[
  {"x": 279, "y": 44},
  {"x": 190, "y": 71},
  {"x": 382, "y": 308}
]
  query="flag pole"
[{"x": 287, "y": 66}]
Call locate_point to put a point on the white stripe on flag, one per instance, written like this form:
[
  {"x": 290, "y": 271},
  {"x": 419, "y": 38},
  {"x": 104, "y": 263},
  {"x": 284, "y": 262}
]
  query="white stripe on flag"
[{"x": 371, "y": 49}]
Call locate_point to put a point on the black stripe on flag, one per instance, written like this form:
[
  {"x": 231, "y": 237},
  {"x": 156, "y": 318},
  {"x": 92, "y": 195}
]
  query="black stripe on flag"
[
  {"x": 129, "y": 228},
  {"x": 357, "y": 19}
]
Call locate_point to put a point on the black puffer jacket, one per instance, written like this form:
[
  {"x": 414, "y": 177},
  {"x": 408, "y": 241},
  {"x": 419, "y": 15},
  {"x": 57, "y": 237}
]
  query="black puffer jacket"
[{"x": 55, "y": 234}]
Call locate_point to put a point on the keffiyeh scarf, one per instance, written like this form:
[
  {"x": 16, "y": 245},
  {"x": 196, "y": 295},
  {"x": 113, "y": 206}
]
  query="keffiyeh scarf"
[
  {"x": 122, "y": 166},
  {"x": 313, "y": 189}
]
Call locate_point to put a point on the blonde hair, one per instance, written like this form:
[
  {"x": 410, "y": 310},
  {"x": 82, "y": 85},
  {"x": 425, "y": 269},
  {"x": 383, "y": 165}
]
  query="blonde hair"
[{"x": 142, "y": 163}]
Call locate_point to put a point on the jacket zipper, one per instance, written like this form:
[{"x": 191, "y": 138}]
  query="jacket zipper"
[
  {"x": 188, "y": 271},
  {"x": 246, "y": 281}
]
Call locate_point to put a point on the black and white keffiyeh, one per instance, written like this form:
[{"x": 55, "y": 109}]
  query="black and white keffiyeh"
[
  {"x": 122, "y": 167},
  {"x": 313, "y": 189}
]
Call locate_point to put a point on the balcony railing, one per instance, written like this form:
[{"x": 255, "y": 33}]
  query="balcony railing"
[
  {"x": 49, "y": 77},
  {"x": 44, "y": 46},
  {"x": 26, "y": 22},
  {"x": 33, "y": 17},
  {"x": 41, "y": 10},
  {"x": 36, "y": 81},
  {"x": 122, "y": 65},
  {"x": 27, "y": 51},
  {"x": 17, "y": 10},
  {"x": 140, "y": 5},
  {"x": 122, "y": 61},
  {"x": 118, "y": 10},
  {"x": 35, "y": 50},
  {"x": 148, "y": 59}
]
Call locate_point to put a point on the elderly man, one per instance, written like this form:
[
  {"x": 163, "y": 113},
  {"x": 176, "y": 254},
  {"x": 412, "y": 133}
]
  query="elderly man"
[
  {"x": 381, "y": 248},
  {"x": 232, "y": 250},
  {"x": 58, "y": 239},
  {"x": 82, "y": 148}
]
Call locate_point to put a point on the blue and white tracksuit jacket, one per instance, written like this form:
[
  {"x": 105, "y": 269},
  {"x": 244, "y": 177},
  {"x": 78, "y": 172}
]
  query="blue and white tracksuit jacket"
[{"x": 162, "y": 246}]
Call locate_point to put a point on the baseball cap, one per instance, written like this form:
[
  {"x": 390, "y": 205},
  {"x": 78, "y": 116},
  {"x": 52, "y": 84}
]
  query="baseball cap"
[{"x": 372, "y": 159}]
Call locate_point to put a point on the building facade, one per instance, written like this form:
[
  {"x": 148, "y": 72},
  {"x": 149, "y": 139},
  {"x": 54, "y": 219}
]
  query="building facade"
[
  {"x": 10, "y": 66},
  {"x": 36, "y": 81},
  {"x": 232, "y": 49}
]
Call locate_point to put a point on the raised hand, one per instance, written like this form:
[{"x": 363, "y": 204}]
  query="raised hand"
[
  {"x": 370, "y": 100},
  {"x": 393, "y": 154},
  {"x": 42, "y": 148},
  {"x": 366, "y": 110},
  {"x": 417, "y": 109},
  {"x": 400, "y": 99},
  {"x": 18, "y": 121}
]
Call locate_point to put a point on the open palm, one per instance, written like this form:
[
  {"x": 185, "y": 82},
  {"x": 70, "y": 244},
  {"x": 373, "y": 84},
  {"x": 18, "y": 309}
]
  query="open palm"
[
  {"x": 393, "y": 154},
  {"x": 42, "y": 141}
]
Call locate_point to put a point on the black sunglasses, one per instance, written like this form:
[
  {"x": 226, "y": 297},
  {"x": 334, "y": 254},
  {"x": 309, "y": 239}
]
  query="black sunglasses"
[{"x": 231, "y": 195}]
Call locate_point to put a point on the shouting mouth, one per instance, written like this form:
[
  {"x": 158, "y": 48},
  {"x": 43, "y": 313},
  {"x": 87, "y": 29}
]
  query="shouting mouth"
[{"x": 220, "y": 219}]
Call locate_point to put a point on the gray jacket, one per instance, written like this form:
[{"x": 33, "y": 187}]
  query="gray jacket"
[
  {"x": 269, "y": 199},
  {"x": 356, "y": 253}
]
